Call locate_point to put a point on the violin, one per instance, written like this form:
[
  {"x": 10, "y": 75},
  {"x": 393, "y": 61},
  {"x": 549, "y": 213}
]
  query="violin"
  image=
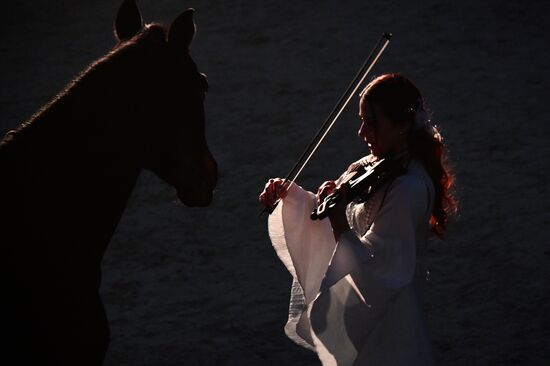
[{"x": 363, "y": 183}]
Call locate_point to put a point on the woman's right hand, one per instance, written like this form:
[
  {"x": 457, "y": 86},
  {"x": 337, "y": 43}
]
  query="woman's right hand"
[
  {"x": 324, "y": 190},
  {"x": 275, "y": 189}
]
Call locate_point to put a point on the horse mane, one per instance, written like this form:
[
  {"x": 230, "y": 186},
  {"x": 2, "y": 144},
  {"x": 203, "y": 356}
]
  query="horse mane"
[{"x": 102, "y": 69}]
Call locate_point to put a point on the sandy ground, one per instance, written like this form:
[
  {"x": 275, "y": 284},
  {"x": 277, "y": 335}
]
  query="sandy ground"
[{"x": 203, "y": 286}]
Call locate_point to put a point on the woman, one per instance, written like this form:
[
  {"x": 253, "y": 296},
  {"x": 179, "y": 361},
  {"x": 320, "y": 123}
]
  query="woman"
[{"x": 356, "y": 302}]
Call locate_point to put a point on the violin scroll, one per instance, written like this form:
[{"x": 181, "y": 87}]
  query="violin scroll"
[{"x": 326, "y": 205}]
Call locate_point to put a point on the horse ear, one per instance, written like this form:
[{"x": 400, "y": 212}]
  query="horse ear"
[
  {"x": 128, "y": 20},
  {"x": 182, "y": 30}
]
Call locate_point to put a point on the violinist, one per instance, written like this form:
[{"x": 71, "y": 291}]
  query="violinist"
[{"x": 358, "y": 275}]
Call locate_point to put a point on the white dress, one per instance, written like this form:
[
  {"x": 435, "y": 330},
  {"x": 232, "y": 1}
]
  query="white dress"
[{"x": 356, "y": 302}]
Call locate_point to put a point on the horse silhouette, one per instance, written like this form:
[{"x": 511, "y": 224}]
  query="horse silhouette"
[{"x": 66, "y": 176}]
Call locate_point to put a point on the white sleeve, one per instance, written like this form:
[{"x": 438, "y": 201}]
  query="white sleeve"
[
  {"x": 304, "y": 246},
  {"x": 388, "y": 249}
]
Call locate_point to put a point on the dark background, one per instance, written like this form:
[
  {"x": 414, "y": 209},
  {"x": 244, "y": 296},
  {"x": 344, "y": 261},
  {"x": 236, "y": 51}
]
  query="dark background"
[{"x": 203, "y": 286}]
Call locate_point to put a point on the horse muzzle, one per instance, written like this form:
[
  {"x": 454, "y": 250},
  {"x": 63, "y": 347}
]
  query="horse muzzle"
[{"x": 199, "y": 192}]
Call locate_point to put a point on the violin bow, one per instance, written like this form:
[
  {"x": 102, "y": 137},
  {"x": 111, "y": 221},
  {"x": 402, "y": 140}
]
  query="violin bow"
[{"x": 359, "y": 78}]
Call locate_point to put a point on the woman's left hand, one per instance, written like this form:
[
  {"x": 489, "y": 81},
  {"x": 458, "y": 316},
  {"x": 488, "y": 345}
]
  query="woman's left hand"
[{"x": 337, "y": 214}]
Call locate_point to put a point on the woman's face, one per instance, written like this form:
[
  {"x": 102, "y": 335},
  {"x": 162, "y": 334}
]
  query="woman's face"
[{"x": 379, "y": 132}]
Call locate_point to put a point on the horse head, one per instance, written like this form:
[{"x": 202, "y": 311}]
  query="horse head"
[{"x": 174, "y": 140}]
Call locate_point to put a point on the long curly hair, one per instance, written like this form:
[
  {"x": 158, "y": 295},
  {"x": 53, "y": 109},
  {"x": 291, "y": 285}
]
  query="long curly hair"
[{"x": 402, "y": 102}]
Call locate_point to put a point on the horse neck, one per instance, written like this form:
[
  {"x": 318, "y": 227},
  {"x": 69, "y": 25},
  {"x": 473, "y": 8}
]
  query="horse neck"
[{"x": 79, "y": 159}]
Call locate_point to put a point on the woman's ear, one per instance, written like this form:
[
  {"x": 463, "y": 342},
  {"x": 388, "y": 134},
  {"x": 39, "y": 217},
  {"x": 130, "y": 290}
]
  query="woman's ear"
[
  {"x": 182, "y": 30},
  {"x": 128, "y": 21}
]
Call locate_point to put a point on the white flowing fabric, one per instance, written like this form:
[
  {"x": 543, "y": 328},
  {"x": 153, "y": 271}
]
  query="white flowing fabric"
[{"x": 356, "y": 302}]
